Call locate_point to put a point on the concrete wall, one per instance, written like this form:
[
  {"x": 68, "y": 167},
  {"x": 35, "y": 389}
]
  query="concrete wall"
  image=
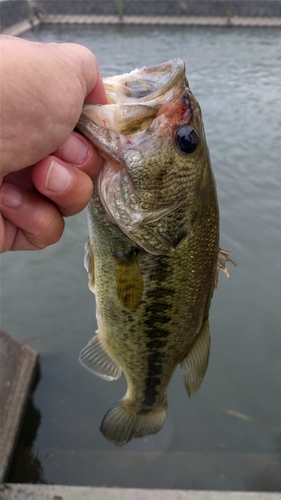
[
  {"x": 243, "y": 8},
  {"x": 13, "y": 12}
]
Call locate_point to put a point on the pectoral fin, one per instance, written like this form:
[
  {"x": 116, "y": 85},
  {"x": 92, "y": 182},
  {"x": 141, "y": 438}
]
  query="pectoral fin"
[
  {"x": 95, "y": 358},
  {"x": 194, "y": 365},
  {"x": 129, "y": 280},
  {"x": 89, "y": 262}
]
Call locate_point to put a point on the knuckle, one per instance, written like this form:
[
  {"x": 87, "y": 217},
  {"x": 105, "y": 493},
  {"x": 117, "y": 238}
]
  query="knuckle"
[{"x": 48, "y": 229}]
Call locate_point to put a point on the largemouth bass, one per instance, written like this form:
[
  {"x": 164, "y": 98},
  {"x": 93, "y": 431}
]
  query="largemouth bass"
[{"x": 153, "y": 252}]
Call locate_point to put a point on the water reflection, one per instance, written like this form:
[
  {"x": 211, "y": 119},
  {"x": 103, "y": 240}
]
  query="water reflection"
[
  {"x": 267, "y": 478},
  {"x": 26, "y": 466}
]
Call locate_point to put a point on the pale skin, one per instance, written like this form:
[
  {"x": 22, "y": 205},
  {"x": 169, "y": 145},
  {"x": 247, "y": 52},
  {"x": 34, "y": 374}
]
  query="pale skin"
[{"x": 46, "y": 168}]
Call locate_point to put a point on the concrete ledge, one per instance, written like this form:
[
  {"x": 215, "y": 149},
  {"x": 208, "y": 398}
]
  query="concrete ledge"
[
  {"x": 162, "y": 20},
  {"x": 50, "y": 492},
  {"x": 17, "y": 366},
  {"x": 262, "y": 22},
  {"x": 20, "y": 28}
]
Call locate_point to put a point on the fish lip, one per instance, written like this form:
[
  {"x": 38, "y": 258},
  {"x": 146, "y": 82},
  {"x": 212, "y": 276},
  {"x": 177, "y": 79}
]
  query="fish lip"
[
  {"x": 102, "y": 125},
  {"x": 160, "y": 79}
]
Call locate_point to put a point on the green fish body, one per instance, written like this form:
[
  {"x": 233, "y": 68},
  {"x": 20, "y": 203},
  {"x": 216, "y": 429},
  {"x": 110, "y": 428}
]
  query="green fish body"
[{"x": 153, "y": 251}]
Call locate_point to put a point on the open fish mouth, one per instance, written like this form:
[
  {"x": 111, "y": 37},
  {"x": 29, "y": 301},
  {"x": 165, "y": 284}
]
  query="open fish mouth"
[
  {"x": 145, "y": 84},
  {"x": 135, "y": 99}
]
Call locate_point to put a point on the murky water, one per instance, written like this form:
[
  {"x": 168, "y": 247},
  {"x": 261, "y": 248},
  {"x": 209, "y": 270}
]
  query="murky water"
[{"x": 207, "y": 441}]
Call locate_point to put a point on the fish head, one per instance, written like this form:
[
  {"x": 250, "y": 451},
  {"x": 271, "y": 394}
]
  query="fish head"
[{"x": 152, "y": 136}]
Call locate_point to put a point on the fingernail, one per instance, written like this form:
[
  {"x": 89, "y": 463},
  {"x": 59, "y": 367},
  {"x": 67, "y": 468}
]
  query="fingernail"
[
  {"x": 58, "y": 178},
  {"x": 10, "y": 196},
  {"x": 74, "y": 150}
]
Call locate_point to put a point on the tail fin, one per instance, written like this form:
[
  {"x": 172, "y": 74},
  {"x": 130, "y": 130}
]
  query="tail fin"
[{"x": 121, "y": 423}]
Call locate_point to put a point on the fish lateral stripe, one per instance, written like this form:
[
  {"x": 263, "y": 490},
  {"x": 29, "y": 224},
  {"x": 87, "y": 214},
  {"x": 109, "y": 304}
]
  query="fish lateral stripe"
[{"x": 157, "y": 317}]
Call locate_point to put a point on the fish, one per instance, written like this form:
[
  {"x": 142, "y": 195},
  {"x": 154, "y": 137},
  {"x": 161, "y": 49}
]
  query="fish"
[{"x": 153, "y": 251}]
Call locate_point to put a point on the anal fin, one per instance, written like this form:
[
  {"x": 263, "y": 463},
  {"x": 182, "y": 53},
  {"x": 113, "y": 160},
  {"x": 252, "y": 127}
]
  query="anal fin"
[
  {"x": 194, "y": 365},
  {"x": 95, "y": 358}
]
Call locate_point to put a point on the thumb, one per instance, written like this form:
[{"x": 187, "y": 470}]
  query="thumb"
[{"x": 87, "y": 69}]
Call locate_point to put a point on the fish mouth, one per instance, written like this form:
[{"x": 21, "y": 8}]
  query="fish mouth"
[
  {"x": 134, "y": 101},
  {"x": 135, "y": 98},
  {"x": 145, "y": 84}
]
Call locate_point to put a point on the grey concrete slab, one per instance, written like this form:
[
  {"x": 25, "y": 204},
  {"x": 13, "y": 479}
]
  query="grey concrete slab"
[
  {"x": 20, "y": 28},
  {"x": 17, "y": 367},
  {"x": 162, "y": 20},
  {"x": 51, "y": 492}
]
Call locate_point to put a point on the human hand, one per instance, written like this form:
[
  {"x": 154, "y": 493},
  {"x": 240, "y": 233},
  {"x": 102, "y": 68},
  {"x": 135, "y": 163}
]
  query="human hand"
[{"x": 46, "y": 169}]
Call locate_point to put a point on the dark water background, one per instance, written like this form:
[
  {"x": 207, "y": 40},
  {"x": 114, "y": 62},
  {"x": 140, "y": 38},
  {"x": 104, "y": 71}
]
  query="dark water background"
[{"x": 235, "y": 74}]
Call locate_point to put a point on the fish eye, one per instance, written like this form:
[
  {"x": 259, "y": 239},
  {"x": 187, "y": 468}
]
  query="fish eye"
[{"x": 187, "y": 139}]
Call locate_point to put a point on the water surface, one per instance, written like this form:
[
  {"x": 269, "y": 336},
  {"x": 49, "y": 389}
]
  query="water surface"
[{"x": 205, "y": 443}]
